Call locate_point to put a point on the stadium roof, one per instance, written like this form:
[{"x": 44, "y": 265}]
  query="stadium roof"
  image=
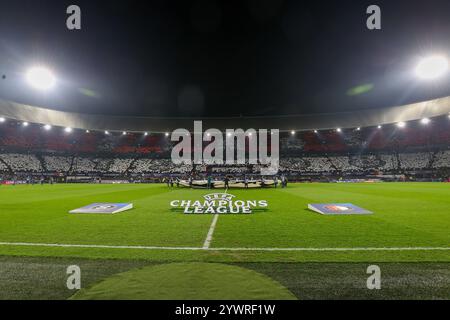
[
  {"x": 216, "y": 58},
  {"x": 353, "y": 119}
]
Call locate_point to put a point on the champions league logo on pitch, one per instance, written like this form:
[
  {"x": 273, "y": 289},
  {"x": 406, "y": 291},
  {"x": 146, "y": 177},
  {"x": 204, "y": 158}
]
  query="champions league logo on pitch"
[{"x": 215, "y": 203}]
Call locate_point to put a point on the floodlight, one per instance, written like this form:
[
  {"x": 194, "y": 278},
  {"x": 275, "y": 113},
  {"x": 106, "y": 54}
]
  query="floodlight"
[
  {"x": 292, "y": 132},
  {"x": 338, "y": 129},
  {"x": 145, "y": 133},
  {"x": 401, "y": 124},
  {"x": 47, "y": 127},
  {"x": 68, "y": 129},
  {"x": 40, "y": 78},
  {"x": 432, "y": 67},
  {"x": 25, "y": 124},
  {"x": 425, "y": 121},
  {"x": 2, "y": 119},
  {"x": 106, "y": 132},
  {"x": 379, "y": 127}
]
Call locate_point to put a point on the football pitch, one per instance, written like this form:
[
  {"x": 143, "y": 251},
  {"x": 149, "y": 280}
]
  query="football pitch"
[{"x": 410, "y": 224}]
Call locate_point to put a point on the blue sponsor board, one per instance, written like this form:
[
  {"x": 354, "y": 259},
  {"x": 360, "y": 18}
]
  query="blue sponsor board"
[
  {"x": 108, "y": 208},
  {"x": 337, "y": 208}
]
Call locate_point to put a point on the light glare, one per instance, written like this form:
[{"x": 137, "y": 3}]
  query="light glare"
[
  {"x": 425, "y": 121},
  {"x": 40, "y": 78},
  {"x": 432, "y": 67}
]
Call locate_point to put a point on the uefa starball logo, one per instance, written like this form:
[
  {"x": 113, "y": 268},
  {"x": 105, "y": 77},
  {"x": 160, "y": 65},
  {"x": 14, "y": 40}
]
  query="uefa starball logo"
[
  {"x": 218, "y": 203},
  {"x": 240, "y": 147}
]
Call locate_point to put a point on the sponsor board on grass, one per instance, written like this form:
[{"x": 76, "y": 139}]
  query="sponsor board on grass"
[
  {"x": 218, "y": 203},
  {"x": 106, "y": 208},
  {"x": 337, "y": 209}
]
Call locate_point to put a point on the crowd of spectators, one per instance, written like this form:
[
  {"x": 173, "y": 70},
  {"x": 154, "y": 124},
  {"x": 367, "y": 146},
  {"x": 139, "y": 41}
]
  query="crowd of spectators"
[
  {"x": 390, "y": 149},
  {"x": 69, "y": 164},
  {"x": 442, "y": 160},
  {"x": 57, "y": 163},
  {"x": 21, "y": 162}
]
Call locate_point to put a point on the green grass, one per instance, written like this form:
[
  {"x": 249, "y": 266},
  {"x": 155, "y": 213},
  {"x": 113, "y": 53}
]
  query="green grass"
[
  {"x": 187, "y": 281},
  {"x": 405, "y": 215},
  {"x": 45, "y": 278}
]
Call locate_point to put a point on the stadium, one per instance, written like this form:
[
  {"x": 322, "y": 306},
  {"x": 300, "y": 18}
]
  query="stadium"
[
  {"x": 415, "y": 150},
  {"x": 354, "y": 188}
]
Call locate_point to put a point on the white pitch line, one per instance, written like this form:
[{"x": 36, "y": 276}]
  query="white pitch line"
[
  {"x": 27, "y": 244},
  {"x": 209, "y": 236}
]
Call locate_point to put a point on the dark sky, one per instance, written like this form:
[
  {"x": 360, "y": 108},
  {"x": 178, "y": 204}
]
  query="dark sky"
[{"x": 222, "y": 58}]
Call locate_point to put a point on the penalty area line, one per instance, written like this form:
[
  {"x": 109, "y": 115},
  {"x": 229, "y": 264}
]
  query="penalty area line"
[{"x": 99, "y": 246}]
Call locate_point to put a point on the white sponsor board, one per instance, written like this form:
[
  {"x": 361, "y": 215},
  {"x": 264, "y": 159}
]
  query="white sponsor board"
[{"x": 105, "y": 208}]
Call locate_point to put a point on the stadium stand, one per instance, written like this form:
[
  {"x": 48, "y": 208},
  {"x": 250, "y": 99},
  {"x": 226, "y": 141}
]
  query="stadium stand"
[
  {"x": 369, "y": 151},
  {"x": 21, "y": 162},
  {"x": 83, "y": 165},
  {"x": 57, "y": 163},
  {"x": 119, "y": 165},
  {"x": 382, "y": 162},
  {"x": 441, "y": 160}
]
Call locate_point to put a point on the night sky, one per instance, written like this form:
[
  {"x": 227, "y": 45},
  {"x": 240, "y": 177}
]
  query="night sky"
[{"x": 222, "y": 58}]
